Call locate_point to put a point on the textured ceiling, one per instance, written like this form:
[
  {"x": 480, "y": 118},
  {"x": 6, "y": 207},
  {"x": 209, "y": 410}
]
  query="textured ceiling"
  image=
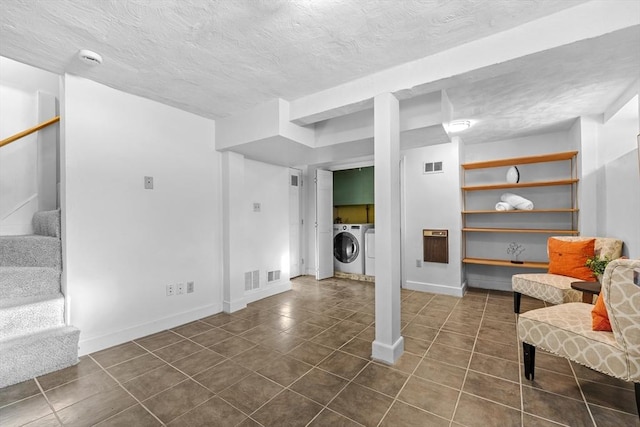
[
  {"x": 547, "y": 91},
  {"x": 219, "y": 58}
]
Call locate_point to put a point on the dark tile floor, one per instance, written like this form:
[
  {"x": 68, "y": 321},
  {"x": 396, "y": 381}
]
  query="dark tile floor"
[{"x": 302, "y": 358}]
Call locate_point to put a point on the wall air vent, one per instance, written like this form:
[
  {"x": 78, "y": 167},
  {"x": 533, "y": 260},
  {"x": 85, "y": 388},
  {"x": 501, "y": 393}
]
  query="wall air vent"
[
  {"x": 273, "y": 276},
  {"x": 294, "y": 180},
  {"x": 251, "y": 280},
  {"x": 256, "y": 279},
  {"x": 248, "y": 281},
  {"x": 432, "y": 167}
]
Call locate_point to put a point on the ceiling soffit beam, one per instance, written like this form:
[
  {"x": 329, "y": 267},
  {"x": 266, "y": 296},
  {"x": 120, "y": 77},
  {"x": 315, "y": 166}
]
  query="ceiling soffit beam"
[
  {"x": 266, "y": 121},
  {"x": 433, "y": 109},
  {"x": 621, "y": 101},
  {"x": 584, "y": 21}
]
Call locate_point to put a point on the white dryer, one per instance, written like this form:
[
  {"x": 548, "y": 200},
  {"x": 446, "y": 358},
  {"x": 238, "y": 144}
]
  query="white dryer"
[
  {"x": 370, "y": 252},
  {"x": 348, "y": 247}
]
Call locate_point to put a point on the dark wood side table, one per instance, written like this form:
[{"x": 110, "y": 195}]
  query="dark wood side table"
[{"x": 588, "y": 289}]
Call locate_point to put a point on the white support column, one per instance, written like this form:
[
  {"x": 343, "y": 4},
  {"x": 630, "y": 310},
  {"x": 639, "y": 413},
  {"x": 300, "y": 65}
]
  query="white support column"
[
  {"x": 233, "y": 232},
  {"x": 389, "y": 344}
]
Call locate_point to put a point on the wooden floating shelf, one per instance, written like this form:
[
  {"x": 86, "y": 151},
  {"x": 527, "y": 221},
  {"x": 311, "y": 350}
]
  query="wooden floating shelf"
[
  {"x": 520, "y": 185},
  {"x": 517, "y": 211},
  {"x": 506, "y": 263},
  {"x": 514, "y": 161},
  {"x": 519, "y": 230}
]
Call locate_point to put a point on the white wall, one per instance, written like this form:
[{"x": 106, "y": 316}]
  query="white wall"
[
  {"x": 266, "y": 232},
  {"x": 617, "y": 136},
  {"x": 255, "y": 238},
  {"x": 619, "y": 199},
  {"x": 432, "y": 201},
  {"x": 494, "y": 245},
  {"x": 19, "y": 104},
  {"x": 123, "y": 244},
  {"x": 622, "y": 202},
  {"x": 584, "y": 136}
]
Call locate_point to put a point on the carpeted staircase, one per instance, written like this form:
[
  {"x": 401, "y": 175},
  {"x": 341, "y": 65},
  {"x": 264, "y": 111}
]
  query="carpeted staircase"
[{"x": 34, "y": 339}]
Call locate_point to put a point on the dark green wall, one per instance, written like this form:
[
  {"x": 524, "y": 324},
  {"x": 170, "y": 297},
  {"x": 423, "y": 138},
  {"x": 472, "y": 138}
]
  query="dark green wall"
[{"x": 353, "y": 187}]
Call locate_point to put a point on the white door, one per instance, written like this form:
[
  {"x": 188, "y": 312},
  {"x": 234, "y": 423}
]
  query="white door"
[
  {"x": 324, "y": 224},
  {"x": 295, "y": 223}
]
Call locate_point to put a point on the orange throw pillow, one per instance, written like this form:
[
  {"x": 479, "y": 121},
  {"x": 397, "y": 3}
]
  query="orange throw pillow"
[
  {"x": 570, "y": 258},
  {"x": 599, "y": 316}
]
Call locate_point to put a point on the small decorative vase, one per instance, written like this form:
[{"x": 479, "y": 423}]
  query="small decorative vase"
[{"x": 513, "y": 175}]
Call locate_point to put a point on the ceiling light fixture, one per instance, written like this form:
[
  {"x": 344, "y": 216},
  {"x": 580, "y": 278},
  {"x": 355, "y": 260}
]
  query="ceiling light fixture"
[
  {"x": 459, "y": 125},
  {"x": 90, "y": 57}
]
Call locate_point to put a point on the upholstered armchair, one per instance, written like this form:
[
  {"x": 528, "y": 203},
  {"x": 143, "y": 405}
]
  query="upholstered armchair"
[
  {"x": 555, "y": 288},
  {"x": 566, "y": 329}
]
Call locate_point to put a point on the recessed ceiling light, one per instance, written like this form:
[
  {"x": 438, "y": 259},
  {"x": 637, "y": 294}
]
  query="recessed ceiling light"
[
  {"x": 459, "y": 125},
  {"x": 90, "y": 57}
]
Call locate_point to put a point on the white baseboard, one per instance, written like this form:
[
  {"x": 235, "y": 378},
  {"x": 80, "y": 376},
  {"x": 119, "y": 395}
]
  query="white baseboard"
[
  {"x": 387, "y": 354},
  {"x": 92, "y": 344},
  {"x": 248, "y": 298},
  {"x": 489, "y": 283},
  {"x": 233, "y": 306},
  {"x": 436, "y": 288},
  {"x": 267, "y": 292}
]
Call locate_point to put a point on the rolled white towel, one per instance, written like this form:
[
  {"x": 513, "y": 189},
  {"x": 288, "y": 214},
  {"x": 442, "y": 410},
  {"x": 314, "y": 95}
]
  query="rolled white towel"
[
  {"x": 504, "y": 206},
  {"x": 517, "y": 202}
]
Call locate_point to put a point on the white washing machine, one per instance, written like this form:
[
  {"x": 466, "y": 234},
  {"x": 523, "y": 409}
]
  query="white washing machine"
[{"x": 348, "y": 247}]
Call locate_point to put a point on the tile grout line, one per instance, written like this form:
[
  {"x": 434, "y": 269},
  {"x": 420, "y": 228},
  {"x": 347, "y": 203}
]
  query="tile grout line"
[
  {"x": 288, "y": 387},
  {"x": 189, "y": 377},
  {"x": 326, "y": 406},
  {"x": 349, "y": 382},
  {"x": 53, "y": 410},
  {"x": 126, "y": 391},
  {"x": 584, "y": 398},
  {"x": 466, "y": 372},
  {"x": 294, "y": 391},
  {"x": 261, "y": 313},
  {"x": 410, "y": 374}
]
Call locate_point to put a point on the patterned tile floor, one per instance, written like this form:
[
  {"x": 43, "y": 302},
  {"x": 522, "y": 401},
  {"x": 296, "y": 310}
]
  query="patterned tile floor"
[{"x": 302, "y": 358}]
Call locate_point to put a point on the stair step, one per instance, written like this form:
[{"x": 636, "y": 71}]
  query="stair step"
[
  {"x": 47, "y": 223},
  {"x": 19, "y": 316},
  {"x": 32, "y": 355},
  {"x": 30, "y": 251},
  {"x": 18, "y": 282}
]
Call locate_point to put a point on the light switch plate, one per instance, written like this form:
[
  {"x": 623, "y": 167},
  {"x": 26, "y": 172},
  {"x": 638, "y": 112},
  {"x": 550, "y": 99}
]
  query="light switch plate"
[{"x": 148, "y": 183}]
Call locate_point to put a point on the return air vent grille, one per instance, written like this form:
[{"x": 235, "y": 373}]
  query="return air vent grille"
[
  {"x": 273, "y": 276},
  {"x": 432, "y": 167},
  {"x": 251, "y": 280},
  {"x": 294, "y": 180}
]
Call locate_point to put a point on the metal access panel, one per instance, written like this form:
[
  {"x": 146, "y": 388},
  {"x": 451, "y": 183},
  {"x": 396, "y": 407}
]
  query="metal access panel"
[{"x": 435, "y": 245}]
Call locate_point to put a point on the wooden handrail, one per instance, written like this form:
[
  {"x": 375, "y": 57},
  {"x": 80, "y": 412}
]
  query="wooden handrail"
[{"x": 29, "y": 131}]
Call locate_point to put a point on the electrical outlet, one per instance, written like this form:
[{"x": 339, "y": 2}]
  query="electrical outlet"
[
  {"x": 170, "y": 290},
  {"x": 190, "y": 287},
  {"x": 180, "y": 288},
  {"x": 419, "y": 263}
]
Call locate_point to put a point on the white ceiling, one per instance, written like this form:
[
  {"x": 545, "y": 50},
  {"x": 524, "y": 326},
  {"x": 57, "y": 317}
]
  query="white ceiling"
[{"x": 220, "y": 58}]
